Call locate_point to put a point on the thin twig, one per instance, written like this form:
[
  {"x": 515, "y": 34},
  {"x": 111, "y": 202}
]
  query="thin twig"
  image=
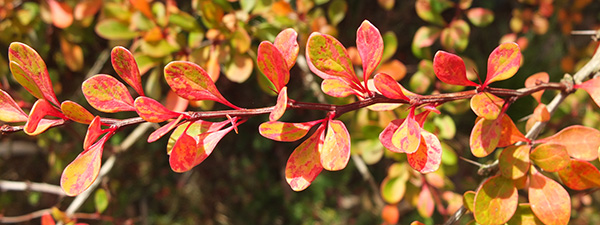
[
  {"x": 364, "y": 171},
  {"x": 6, "y": 185},
  {"x": 24, "y": 218}
]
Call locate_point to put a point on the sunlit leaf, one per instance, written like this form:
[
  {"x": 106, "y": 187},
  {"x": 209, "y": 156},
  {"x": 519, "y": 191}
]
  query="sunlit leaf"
[
  {"x": 191, "y": 82},
  {"x": 281, "y": 105},
  {"x": 337, "y": 88},
  {"x": 143, "y": 6},
  {"x": 450, "y": 69},
  {"x": 425, "y": 204},
  {"x": 287, "y": 43},
  {"x": 76, "y": 112},
  {"x": 503, "y": 62},
  {"x": 486, "y": 105},
  {"x": 190, "y": 151},
  {"x": 239, "y": 68},
  {"x": 195, "y": 129},
  {"x": 152, "y": 111},
  {"x": 328, "y": 58},
  {"x": 124, "y": 63},
  {"x": 524, "y": 216},
  {"x": 43, "y": 125},
  {"x": 29, "y": 69},
  {"x": 581, "y": 142},
  {"x": 484, "y": 137},
  {"x": 158, "y": 133},
  {"x": 469, "y": 200},
  {"x": 550, "y": 202},
  {"x": 389, "y": 87},
  {"x": 514, "y": 161},
  {"x": 510, "y": 134},
  {"x": 94, "y": 131},
  {"x": 40, "y": 109},
  {"x": 61, "y": 12},
  {"x": 105, "y": 93},
  {"x": 273, "y": 65},
  {"x": 550, "y": 157},
  {"x": 304, "y": 165},
  {"x": 84, "y": 169},
  {"x": 335, "y": 152},
  {"x": 113, "y": 29},
  {"x": 282, "y": 131},
  {"x": 456, "y": 35},
  {"x": 101, "y": 200},
  {"x": 580, "y": 175},
  {"x": 386, "y": 136},
  {"x": 496, "y": 201},
  {"x": 428, "y": 156},
  {"x": 407, "y": 137},
  {"x": 393, "y": 186},
  {"x": 9, "y": 110},
  {"x": 480, "y": 17},
  {"x": 370, "y": 47},
  {"x": 590, "y": 86}
]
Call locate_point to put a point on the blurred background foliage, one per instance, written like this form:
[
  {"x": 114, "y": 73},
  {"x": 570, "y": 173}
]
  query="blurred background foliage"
[{"x": 243, "y": 182}]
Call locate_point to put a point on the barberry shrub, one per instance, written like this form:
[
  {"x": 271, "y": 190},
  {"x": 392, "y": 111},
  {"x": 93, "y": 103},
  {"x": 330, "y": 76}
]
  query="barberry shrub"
[{"x": 524, "y": 161}]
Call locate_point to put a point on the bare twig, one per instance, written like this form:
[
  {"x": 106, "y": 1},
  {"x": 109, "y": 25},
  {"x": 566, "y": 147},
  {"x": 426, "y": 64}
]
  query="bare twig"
[
  {"x": 364, "y": 171},
  {"x": 6, "y": 185},
  {"x": 24, "y": 218}
]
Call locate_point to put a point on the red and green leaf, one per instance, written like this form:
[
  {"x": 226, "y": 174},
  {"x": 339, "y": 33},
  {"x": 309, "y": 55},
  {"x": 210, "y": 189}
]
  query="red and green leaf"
[
  {"x": 480, "y": 17},
  {"x": 76, "y": 112},
  {"x": 94, "y": 131},
  {"x": 282, "y": 131},
  {"x": 152, "y": 111},
  {"x": 124, "y": 64},
  {"x": 386, "y": 136},
  {"x": 524, "y": 216},
  {"x": 304, "y": 165},
  {"x": 10, "y": 111},
  {"x": 335, "y": 152},
  {"x": 510, "y": 134},
  {"x": 496, "y": 201},
  {"x": 158, "y": 133},
  {"x": 581, "y": 142},
  {"x": 591, "y": 87},
  {"x": 40, "y": 109},
  {"x": 484, "y": 137},
  {"x": 537, "y": 79},
  {"x": 328, "y": 59},
  {"x": 105, "y": 93},
  {"x": 84, "y": 169},
  {"x": 456, "y": 35},
  {"x": 450, "y": 69},
  {"x": 287, "y": 43},
  {"x": 503, "y": 62},
  {"x": 550, "y": 202},
  {"x": 370, "y": 47},
  {"x": 580, "y": 175},
  {"x": 407, "y": 138},
  {"x": 191, "y": 82},
  {"x": 550, "y": 157},
  {"x": 514, "y": 161},
  {"x": 190, "y": 151},
  {"x": 197, "y": 128},
  {"x": 281, "y": 105},
  {"x": 425, "y": 204},
  {"x": 487, "y": 105},
  {"x": 428, "y": 156},
  {"x": 29, "y": 69},
  {"x": 43, "y": 125},
  {"x": 388, "y": 87},
  {"x": 273, "y": 65}
]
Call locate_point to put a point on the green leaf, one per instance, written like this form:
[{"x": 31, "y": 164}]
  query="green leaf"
[
  {"x": 550, "y": 202},
  {"x": 480, "y": 17},
  {"x": 101, "y": 200},
  {"x": 496, "y": 201},
  {"x": 337, "y": 11},
  {"x": 524, "y": 215},
  {"x": 514, "y": 161},
  {"x": 456, "y": 36},
  {"x": 469, "y": 200},
  {"x": 125, "y": 65},
  {"x": 503, "y": 63},
  {"x": 390, "y": 45},
  {"x": 370, "y": 47},
  {"x": 272, "y": 64},
  {"x": 550, "y": 157},
  {"x": 431, "y": 10},
  {"x": 304, "y": 165},
  {"x": 328, "y": 59},
  {"x": 487, "y": 105},
  {"x": 82, "y": 172},
  {"x": 335, "y": 152},
  {"x": 105, "y": 93},
  {"x": 10, "y": 111},
  {"x": 113, "y": 29}
]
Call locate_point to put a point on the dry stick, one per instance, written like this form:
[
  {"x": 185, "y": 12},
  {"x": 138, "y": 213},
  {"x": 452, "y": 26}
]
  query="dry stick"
[
  {"x": 590, "y": 67},
  {"x": 30, "y": 186},
  {"x": 24, "y": 218}
]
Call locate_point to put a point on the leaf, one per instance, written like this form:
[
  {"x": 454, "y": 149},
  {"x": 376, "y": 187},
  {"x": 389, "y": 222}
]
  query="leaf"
[
  {"x": 580, "y": 175},
  {"x": 152, "y": 111},
  {"x": 112, "y": 29},
  {"x": 509, "y": 134},
  {"x": 550, "y": 202},
  {"x": 430, "y": 10},
  {"x": 503, "y": 63},
  {"x": 101, "y": 200},
  {"x": 337, "y": 88},
  {"x": 456, "y": 35},
  {"x": 240, "y": 41},
  {"x": 40, "y": 109},
  {"x": 239, "y": 68},
  {"x": 43, "y": 125},
  {"x": 61, "y": 13},
  {"x": 487, "y": 105},
  {"x": 84, "y": 169},
  {"x": 394, "y": 67},
  {"x": 386, "y": 136},
  {"x": 335, "y": 152},
  {"x": 191, "y": 82},
  {"x": 484, "y": 137},
  {"x": 393, "y": 185},
  {"x": 590, "y": 86},
  {"x": 337, "y": 11},
  {"x": 407, "y": 137},
  {"x": 144, "y": 7},
  {"x": 94, "y": 131},
  {"x": 425, "y": 204},
  {"x": 581, "y": 142},
  {"x": 282, "y": 131},
  {"x": 73, "y": 54},
  {"x": 424, "y": 38},
  {"x": 480, "y": 17},
  {"x": 370, "y": 47},
  {"x": 524, "y": 216},
  {"x": 287, "y": 44},
  {"x": 450, "y": 69},
  {"x": 273, "y": 65},
  {"x": 541, "y": 113},
  {"x": 469, "y": 200},
  {"x": 514, "y": 161},
  {"x": 10, "y": 111},
  {"x": 428, "y": 156},
  {"x": 281, "y": 105},
  {"x": 304, "y": 165},
  {"x": 124, "y": 63},
  {"x": 47, "y": 219},
  {"x": 496, "y": 201},
  {"x": 86, "y": 8},
  {"x": 550, "y": 157},
  {"x": 328, "y": 59},
  {"x": 29, "y": 69},
  {"x": 76, "y": 112},
  {"x": 390, "y": 213},
  {"x": 158, "y": 133},
  {"x": 390, "y": 45},
  {"x": 389, "y": 87},
  {"x": 190, "y": 151},
  {"x": 196, "y": 128},
  {"x": 105, "y": 93}
]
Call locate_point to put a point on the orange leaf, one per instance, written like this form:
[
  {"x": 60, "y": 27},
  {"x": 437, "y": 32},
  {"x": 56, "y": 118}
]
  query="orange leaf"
[
  {"x": 509, "y": 134},
  {"x": 47, "y": 219},
  {"x": 287, "y": 43},
  {"x": 62, "y": 14},
  {"x": 9, "y": 110},
  {"x": 428, "y": 156},
  {"x": 76, "y": 112},
  {"x": 514, "y": 161},
  {"x": 281, "y": 105},
  {"x": 537, "y": 79},
  {"x": 282, "y": 131},
  {"x": 487, "y": 105},
  {"x": 407, "y": 137},
  {"x": 304, "y": 165},
  {"x": 484, "y": 137},
  {"x": 581, "y": 142},
  {"x": 496, "y": 201},
  {"x": 143, "y": 6},
  {"x": 550, "y": 157},
  {"x": 190, "y": 151},
  {"x": 82, "y": 172},
  {"x": 550, "y": 202},
  {"x": 335, "y": 152},
  {"x": 580, "y": 175}
]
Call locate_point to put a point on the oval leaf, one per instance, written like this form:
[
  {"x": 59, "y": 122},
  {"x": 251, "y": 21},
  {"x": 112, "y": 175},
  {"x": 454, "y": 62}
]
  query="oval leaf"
[
  {"x": 480, "y": 17},
  {"x": 282, "y": 131},
  {"x": 428, "y": 157},
  {"x": 510, "y": 134},
  {"x": 550, "y": 157},
  {"x": 273, "y": 65},
  {"x": 580, "y": 175},
  {"x": 337, "y": 88},
  {"x": 388, "y": 87},
  {"x": 190, "y": 151},
  {"x": 76, "y": 112},
  {"x": 286, "y": 42},
  {"x": 152, "y": 111},
  {"x": 61, "y": 14},
  {"x": 537, "y": 79},
  {"x": 550, "y": 202},
  {"x": 407, "y": 137},
  {"x": 105, "y": 93},
  {"x": 304, "y": 165},
  {"x": 82, "y": 172},
  {"x": 590, "y": 86},
  {"x": 335, "y": 152},
  {"x": 496, "y": 201},
  {"x": 10, "y": 112},
  {"x": 503, "y": 62},
  {"x": 328, "y": 58},
  {"x": 386, "y": 136},
  {"x": 487, "y": 105},
  {"x": 514, "y": 161},
  {"x": 40, "y": 109},
  {"x": 124, "y": 63},
  {"x": 581, "y": 142},
  {"x": 484, "y": 137},
  {"x": 425, "y": 204},
  {"x": 158, "y": 133},
  {"x": 456, "y": 35},
  {"x": 450, "y": 69},
  {"x": 281, "y": 105},
  {"x": 370, "y": 47}
]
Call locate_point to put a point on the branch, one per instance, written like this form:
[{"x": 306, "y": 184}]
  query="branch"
[
  {"x": 6, "y": 185},
  {"x": 24, "y": 218}
]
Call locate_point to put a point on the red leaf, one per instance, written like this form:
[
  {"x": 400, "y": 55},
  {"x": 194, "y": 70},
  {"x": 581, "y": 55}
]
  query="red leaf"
[
  {"x": 581, "y": 142},
  {"x": 190, "y": 151},
  {"x": 152, "y": 111},
  {"x": 286, "y": 42},
  {"x": 125, "y": 65},
  {"x": 425, "y": 204},
  {"x": 389, "y": 87},
  {"x": 29, "y": 69},
  {"x": 386, "y": 136},
  {"x": 40, "y": 109},
  {"x": 47, "y": 219},
  {"x": 514, "y": 161},
  {"x": 335, "y": 152},
  {"x": 487, "y": 105},
  {"x": 282, "y": 131},
  {"x": 197, "y": 128},
  {"x": 496, "y": 201},
  {"x": 304, "y": 164},
  {"x": 86, "y": 8},
  {"x": 450, "y": 69},
  {"x": 580, "y": 175},
  {"x": 407, "y": 137},
  {"x": 484, "y": 137},
  {"x": 550, "y": 157},
  {"x": 191, "y": 82},
  {"x": 61, "y": 13},
  {"x": 509, "y": 134},
  {"x": 76, "y": 112},
  {"x": 428, "y": 156},
  {"x": 550, "y": 202},
  {"x": 370, "y": 47},
  {"x": 503, "y": 63},
  {"x": 271, "y": 63},
  {"x": 281, "y": 105},
  {"x": 537, "y": 79},
  {"x": 94, "y": 131},
  {"x": 144, "y": 7},
  {"x": 10, "y": 112},
  {"x": 84, "y": 169},
  {"x": 43, "y": 125},
  {"x": 158, "y": 133},
  {"x": 337, "y": 88},
  {"x": 591, "y": 87},
  {"x": 105, "y": 93}
]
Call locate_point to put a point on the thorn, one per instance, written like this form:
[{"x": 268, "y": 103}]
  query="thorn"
[
  {"x": 471, "y": 161},
  {"x": 233, "y": 123}
]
